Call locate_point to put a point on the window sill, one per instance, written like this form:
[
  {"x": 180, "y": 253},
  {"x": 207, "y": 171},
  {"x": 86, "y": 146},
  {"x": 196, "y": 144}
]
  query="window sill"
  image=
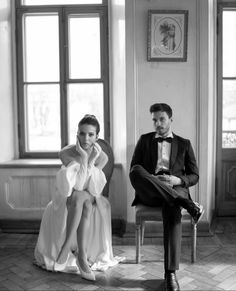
[
  {"x": 32, "y": 163},
  {"x": 39, "y": 163}
]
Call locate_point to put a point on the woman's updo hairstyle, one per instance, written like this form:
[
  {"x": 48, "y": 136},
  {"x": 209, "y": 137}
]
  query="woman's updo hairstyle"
[{"x": 90, "y": 120}]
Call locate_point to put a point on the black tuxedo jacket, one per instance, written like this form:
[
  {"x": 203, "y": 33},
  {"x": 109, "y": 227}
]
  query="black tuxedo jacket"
[{"x": 182, "y": 160}]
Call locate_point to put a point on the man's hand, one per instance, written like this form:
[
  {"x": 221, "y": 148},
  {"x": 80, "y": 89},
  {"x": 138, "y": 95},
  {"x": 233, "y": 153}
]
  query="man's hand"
[
  {"x": 175, "y": 181},
  {"x": 170, "y": 180}
]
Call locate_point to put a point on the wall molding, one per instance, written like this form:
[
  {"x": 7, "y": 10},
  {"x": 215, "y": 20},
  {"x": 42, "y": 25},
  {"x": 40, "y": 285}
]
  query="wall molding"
[
  {"x": 120, "y": 228},
  {"x": 206, "y": 103}
]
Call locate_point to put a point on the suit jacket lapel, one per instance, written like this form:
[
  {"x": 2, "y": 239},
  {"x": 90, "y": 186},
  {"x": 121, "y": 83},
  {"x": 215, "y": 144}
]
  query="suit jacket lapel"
[
  {"x": 154, "y": 152},
  {"x": 174, "y": 151}
]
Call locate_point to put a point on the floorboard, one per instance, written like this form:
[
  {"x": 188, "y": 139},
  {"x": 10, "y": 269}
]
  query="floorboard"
[{"x": 215, "y": 268}]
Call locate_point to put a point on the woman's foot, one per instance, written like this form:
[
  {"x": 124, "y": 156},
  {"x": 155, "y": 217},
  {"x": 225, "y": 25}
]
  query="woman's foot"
[
  {"x": 63, "y": 255},
  {"x": 59, "y": 267},
  {"x": 62, "y": 259},
  {"x": 85, "y": 270}
]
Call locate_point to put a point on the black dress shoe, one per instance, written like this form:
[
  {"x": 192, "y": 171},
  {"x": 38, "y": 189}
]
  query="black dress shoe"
[
  {"x": 171, "y": 282},
  {"x": 198, "y": 212}
]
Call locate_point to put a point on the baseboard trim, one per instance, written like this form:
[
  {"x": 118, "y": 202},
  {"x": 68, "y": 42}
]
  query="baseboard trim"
[
  {"x": 19, "y": 226},
  {"x": 32, "y": 226},
  {"x": 119, "y": 227}
]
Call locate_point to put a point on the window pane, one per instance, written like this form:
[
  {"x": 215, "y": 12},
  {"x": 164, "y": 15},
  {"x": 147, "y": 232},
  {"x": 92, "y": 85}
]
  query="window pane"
[
  {"x": 229, "y": 114},
  {"x": 55, "y": 2},
  {"x": 43, "y": 118},
  {"x": 229, "y": 43},
  {"x": 84, "y": 99},
  {"x": 84, "y": 46},
  {"x": 41, "y": 48}
]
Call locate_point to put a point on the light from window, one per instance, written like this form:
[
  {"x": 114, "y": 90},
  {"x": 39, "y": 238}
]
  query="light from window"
[
  {"x": 43, "y": 118},
  {"x": 229, "y": 43},
  {"x": 62, "y": 72},
  {"x": 229, "y": 82},
  {"x": 84, "y": 47},
  {"x": 84, "y": 99},
  {"x": 41, "y": 48}
]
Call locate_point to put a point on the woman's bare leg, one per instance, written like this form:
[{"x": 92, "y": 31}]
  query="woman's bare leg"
[
  {"x": 76, "y": 203},
  {"x": 82, "y": 235}
]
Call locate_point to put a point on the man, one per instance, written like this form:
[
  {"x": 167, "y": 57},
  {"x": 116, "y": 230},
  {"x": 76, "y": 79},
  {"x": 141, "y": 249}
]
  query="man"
[{"x": 163, "y": 167}]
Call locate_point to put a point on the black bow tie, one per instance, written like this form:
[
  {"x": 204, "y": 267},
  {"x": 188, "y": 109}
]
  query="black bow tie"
[{"x": 167, "y": 139}]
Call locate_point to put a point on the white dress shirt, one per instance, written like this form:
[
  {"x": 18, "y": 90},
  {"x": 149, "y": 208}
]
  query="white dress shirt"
[{"x": 164, "y": 150}]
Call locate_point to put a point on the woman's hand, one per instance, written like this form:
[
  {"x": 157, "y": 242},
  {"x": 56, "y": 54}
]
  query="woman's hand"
[
  {"x": 95, "y": 153},
  {"x": 81, "y": 151}
]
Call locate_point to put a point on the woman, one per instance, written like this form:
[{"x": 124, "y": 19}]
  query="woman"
[{"x": 75, "y": 231}]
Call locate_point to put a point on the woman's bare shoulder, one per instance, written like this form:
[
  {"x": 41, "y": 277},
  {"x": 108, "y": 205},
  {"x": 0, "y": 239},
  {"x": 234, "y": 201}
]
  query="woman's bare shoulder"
[{"x": 68, "y": 154}]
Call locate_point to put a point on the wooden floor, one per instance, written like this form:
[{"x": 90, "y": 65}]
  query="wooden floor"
[{"x": 215, "y": 268}]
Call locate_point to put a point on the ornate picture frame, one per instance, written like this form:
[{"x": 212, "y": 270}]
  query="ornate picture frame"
[{"x": 167, "y": 35}]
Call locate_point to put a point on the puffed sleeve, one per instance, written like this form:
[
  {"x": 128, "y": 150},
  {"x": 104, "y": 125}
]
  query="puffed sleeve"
[
  {"x": 81, "y": 177},
  {"x": 97, "y": 181},
  {"x": 65, "y": 181}
]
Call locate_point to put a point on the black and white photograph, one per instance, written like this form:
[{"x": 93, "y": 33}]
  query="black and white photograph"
[{"x": 118, "y": 145}]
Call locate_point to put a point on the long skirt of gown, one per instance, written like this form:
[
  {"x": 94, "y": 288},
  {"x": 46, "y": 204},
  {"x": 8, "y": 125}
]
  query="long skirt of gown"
[{"x": 53, "y": 225}]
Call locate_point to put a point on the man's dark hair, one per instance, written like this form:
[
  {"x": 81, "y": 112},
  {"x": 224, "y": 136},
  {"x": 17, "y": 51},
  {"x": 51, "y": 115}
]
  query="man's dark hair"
[
  {"x": 163, "y": 107},
  {"x": 91, "y": 120}
]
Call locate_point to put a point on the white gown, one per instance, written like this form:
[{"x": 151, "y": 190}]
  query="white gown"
[{"x": 53, "y": 225}]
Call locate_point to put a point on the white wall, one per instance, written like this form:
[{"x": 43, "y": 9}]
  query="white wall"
[
  {"x": 187, "y": 86},
  {"x": 118, "y": 192},
  {"x": 135, "y": 85},
  {"x": 207, "y": 103},
  {"x": 150, "y": 82},
  {"x": 117, "y": 78},
  {"x": 6, "y": 83},
  {"x": 170, "y": 82}
]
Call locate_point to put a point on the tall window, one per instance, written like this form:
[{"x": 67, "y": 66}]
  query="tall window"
[
  {"x": 62, "y": 53},
  {"x": 227, "y": 74},
  {"x": 226, "y": 114}
]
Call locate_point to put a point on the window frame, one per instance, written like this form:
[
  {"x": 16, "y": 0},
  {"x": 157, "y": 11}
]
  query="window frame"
[
  {"x": 221, "y": 6},
  {"x": 63, "y": 13},
  {"x": 225, "y": 155}
]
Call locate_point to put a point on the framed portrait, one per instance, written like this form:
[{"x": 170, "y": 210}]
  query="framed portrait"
[{"x": 167, "y": 35}]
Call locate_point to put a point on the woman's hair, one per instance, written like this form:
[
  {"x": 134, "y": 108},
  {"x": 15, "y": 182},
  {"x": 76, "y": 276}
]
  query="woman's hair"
[
  {"x": 163, "y": 107},
  {"x": 91, "y": 120}
]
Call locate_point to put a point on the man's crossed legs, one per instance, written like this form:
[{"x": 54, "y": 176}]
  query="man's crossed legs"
[{"x": 153, "y": 192}]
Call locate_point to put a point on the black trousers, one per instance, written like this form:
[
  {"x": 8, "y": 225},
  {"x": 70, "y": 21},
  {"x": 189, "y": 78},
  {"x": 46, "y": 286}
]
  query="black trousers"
[{"x": 152, "y": 192}]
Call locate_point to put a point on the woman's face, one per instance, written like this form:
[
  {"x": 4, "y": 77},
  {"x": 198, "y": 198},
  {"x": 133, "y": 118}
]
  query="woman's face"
[{"x": 87, "y": 135}]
